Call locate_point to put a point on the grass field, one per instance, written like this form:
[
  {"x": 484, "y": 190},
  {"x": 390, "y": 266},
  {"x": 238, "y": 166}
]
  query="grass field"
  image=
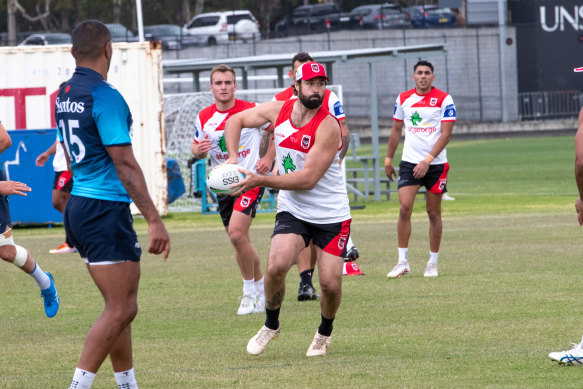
[{"x": 506, "y": 296}]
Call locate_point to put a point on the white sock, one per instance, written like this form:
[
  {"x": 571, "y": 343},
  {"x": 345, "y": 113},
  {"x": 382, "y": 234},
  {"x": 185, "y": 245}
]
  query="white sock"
[
  {"x": 432, "y": 258},
  {"x": 126, "y": 379},
  {"x": 249, "y": 287},
  {"x": 43, "y": 281},
  {"x": 259, "y": 290},
  {"x": 82, "y": 379},
  {"x": 403, "y": 254},
  {"x": 349, "y": 244}
]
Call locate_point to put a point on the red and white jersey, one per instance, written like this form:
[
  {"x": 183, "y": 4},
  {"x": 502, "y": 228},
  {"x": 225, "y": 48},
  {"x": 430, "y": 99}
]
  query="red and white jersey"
[
  {"x": 331, "y": 101},
  {"x": 422, "y": 116},
  {"x": 327, "y": 202},
  {"x": 211, "y": 121}
]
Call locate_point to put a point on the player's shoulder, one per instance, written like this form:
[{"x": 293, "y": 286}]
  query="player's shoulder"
[
  {"x": 405, "y": 95},
  {"x": 105, "y": 94},
  {"x": 285, "y": 94},
  {"x": 438, "y": 93},
  {"x": 241, "y": 105}
]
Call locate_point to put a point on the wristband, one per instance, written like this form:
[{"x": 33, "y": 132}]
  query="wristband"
[
  {"x": 428, "y": 159},
  {"x": 388, "y": 161}
]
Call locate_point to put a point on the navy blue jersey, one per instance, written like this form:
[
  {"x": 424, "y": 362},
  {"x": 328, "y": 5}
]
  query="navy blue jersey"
[{"x": 92, "y": 115}]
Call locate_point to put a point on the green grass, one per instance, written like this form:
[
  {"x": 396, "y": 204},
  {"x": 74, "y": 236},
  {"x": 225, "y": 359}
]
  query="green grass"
[{"x": 507, "y": 295}]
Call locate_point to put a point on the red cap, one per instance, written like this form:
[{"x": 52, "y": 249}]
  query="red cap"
[
  {"x": 578, "y": 70},
  {"x": 351, "y": 269},
  {"x": 310, "y": 70}
]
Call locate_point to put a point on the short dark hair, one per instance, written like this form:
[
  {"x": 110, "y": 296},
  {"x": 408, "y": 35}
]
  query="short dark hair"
[
  {"x": 423, "y": 63},
  {"x": 89, "y": 39},
  {"x": 223, "y": 69},
  {"x": 302, "y": 57}
]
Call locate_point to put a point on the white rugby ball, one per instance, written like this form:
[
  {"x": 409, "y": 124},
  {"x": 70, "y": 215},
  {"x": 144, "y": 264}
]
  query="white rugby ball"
[{"x": 222, "y": 177}]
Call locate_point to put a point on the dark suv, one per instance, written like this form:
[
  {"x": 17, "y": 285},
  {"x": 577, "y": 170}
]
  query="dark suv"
[{"x": 308, "y": 19}]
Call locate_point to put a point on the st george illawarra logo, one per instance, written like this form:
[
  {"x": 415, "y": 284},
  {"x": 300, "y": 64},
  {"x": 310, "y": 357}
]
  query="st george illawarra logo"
[
  {"x": 306, "y": 141},
  {"x": 245, "y": 201},
  {"x": 315, "y": 67},
  {"x": 341, "y": 242}
]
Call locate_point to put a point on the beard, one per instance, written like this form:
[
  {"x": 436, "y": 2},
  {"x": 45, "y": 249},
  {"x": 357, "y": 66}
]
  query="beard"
[{"x": 312, "y": 101}]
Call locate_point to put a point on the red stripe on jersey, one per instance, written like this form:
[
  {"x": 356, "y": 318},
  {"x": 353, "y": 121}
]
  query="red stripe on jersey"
[
  {"x": 434, "y": 98},
  {"x": 208, "y": 112},
  {"x": 303, "y": 139},
  {"x": 285, "y": 95}
]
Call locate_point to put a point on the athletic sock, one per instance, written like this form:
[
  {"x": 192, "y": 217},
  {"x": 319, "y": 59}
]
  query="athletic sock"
[
  {"x": 249, "y": 287},
  {"x": 82, "y": 379},
  {"x": 403, "y": 254},
  {"x": 43, "y": 281},
  {"x": 325, "y": 326},
  {"x": 306, "y": 277},
  {"x": 259, "y": 286},
  {"x": 126, "y": 379},
  {"x": 432, "y": 258},
  {"x": 272, "y": 318}
]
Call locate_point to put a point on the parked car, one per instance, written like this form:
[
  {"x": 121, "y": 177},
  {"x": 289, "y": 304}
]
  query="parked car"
[
  {"x": 119, "y": 33},
  {"x": 430, "y": 16},
  {"x": 172, "y": 36},
  {"x": 221, "y": 27},
  {"x": 378, "y": 16},
  {"x": 48, "y": 38},
  {"x": 312, "y": 18}
]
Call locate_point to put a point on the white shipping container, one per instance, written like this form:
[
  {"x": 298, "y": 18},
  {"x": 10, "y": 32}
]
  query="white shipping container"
[{"x": 32, "y": 74}]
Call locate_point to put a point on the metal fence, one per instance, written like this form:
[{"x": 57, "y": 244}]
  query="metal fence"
[{"x": 549, "y": 105}]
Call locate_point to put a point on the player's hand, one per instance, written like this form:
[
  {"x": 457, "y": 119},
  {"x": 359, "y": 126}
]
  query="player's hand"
[
  {"x": 251, "y": 181},
  {"x": 420, "y": 170},
  {"x": 263, "y": 166},
  {"x": 13, "y": 187},
  {"x": 204, "y": 145},
  {"x": 41, "y": 159},
  {"x": 579, "y": 208},
  {"x": 391, "y": 173},
  {"x": 159, "y": 239}
]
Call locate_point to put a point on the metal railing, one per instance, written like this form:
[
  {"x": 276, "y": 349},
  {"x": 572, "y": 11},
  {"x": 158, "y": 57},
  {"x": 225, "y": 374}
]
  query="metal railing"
[{"x": 549, "y": 104}]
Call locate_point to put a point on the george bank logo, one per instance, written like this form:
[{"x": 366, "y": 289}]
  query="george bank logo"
[
  {"x": 68, "y": 106},
  {"x": 560, "y": 17}
]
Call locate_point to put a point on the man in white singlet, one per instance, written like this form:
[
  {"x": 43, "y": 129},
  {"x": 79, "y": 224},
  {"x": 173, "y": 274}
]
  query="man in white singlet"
[
  {"x": 312, "y": 202},
  {"x": 307, "y": 258},
  {"x": 237, "y": 213},
  {"x": 428, "y": 115}
]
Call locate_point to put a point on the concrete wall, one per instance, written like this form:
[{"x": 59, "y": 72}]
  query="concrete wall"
[{"x": 470, "y": 71}]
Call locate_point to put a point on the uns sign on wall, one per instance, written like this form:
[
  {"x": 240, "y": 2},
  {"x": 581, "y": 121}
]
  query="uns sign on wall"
[{"x": 549, "y": 39}]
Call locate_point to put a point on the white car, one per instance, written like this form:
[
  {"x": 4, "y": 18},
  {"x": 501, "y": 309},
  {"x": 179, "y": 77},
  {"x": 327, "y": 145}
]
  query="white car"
[{"x": 221, "y": 27}]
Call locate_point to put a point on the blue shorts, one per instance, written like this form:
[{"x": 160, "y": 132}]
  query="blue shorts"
[
  {"x": 4, "y": 209},
  {"x": 101, "y": 230}
]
